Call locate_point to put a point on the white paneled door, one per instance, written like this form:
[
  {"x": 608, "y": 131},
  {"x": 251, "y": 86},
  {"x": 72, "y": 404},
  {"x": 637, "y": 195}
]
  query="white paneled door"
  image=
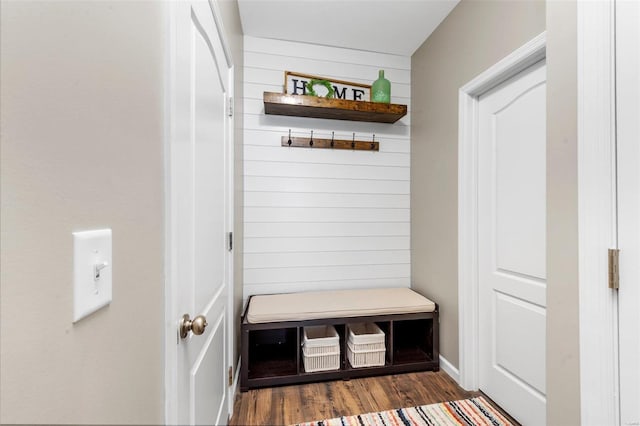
[
  {"x": 512, "y": 244},
  {"x": 199, "y": 214},
  {"x": 628, "y": 138}
]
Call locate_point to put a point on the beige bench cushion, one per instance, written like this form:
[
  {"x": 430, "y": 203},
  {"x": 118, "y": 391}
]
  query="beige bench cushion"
[{"x": 336, "y": 304}]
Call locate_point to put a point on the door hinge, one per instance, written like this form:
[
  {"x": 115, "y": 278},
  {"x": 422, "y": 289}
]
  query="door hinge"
[
  {"x": 230, "y": 106},
  {"x": 614, "y": 268},
  {"x": 230, "y": 241},
  {"x": 230, "y": 376}
]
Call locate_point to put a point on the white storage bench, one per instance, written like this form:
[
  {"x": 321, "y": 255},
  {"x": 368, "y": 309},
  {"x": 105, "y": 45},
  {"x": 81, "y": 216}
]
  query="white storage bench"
[{"x": 377, "y": 331}]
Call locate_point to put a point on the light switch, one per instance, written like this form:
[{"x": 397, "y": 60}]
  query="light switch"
[{"x": 92, "y": 271}]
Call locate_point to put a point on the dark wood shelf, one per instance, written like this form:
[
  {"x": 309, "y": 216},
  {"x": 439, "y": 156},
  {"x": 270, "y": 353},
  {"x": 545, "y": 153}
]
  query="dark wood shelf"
[
  {"x": 410, "y": 356},
  {"x": 350, "y": 367},
  {"x": 273, "y": 368},
  {"x": 335, "y": 109},
  {"x": 321, "y": 373}
]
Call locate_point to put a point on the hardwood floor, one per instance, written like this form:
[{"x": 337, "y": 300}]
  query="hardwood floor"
[{"x": 287, "y": 405}]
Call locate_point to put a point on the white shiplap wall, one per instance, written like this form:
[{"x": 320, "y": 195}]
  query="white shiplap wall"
[{"x": 316, "y": 218}]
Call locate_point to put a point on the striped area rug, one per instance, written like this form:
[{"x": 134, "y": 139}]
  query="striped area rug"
[{"x": 468, "y": 412}]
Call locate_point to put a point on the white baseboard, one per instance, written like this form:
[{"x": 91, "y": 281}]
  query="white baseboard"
[
  {"x": 448, "y": 368},
  {"x": 234, "y": 388}
]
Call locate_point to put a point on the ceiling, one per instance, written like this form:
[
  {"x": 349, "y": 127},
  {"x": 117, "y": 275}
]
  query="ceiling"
[{"x": 390, "y": 26}]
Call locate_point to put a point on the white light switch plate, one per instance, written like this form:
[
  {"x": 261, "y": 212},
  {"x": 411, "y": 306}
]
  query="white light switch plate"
[{"x": 91, "y": 257}]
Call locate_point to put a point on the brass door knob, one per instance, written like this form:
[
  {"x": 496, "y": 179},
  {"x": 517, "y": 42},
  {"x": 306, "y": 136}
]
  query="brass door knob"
[{"x": 197, "y": 325}]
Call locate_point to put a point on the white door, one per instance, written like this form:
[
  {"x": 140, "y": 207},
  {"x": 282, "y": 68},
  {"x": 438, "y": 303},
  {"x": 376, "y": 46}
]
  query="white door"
[
  {"x": 512, "y": 244},
  {"x": 628, "y": 138},
  {"x": 199, "y": 203}
]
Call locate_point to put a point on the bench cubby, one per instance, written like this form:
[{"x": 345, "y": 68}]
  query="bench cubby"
[{"x": 272, "y": 352}]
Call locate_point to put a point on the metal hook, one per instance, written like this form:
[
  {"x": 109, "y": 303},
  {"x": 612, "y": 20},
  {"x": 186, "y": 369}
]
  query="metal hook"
[
  {"x": 353, "y": 141},
  {"x": 289, "y": 142},
  {"x": 373, "y": 141},
  {"x": 311, "y": 141},
  {"x": 332, "y": 134}
]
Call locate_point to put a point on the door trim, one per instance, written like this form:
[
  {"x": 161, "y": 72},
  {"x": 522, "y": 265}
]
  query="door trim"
[
  {"x": 468, "y": 294},
  {"x": 170, "y": 325},
  {"x": 599, "y": 396},
  {"x": 170, "y": 298}
]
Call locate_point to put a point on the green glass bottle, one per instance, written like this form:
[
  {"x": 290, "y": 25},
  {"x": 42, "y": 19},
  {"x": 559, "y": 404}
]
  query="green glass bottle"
[{"x": 381, "y": 89}]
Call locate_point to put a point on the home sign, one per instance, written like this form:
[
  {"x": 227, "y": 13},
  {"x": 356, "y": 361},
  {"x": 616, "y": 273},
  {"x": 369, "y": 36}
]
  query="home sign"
[{"x": 305, "y": 84}]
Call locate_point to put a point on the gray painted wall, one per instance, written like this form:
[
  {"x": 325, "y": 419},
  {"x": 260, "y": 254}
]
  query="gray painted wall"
[
  {"x": 563, "y": 347},
  {"x": 473, "y": 37},
  {"x": 82, "y": 148}
]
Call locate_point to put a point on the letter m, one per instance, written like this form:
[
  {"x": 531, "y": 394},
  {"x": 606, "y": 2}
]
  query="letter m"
[{"x": 338, "y": 94}]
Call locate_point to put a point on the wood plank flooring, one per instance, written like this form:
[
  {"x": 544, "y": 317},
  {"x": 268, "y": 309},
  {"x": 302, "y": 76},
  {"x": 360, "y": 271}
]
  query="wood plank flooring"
[{"x": 287, "y": 405}]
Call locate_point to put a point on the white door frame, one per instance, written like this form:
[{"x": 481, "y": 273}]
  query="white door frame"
[
  {"x": 171, "y": 285},
  {"x": 468, "y": 295},
  {"x": 599, "y": 396}
]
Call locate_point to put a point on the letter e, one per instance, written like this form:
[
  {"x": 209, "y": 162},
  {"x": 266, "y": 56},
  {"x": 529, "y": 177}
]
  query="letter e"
[{"x": 357, "y": 94}]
